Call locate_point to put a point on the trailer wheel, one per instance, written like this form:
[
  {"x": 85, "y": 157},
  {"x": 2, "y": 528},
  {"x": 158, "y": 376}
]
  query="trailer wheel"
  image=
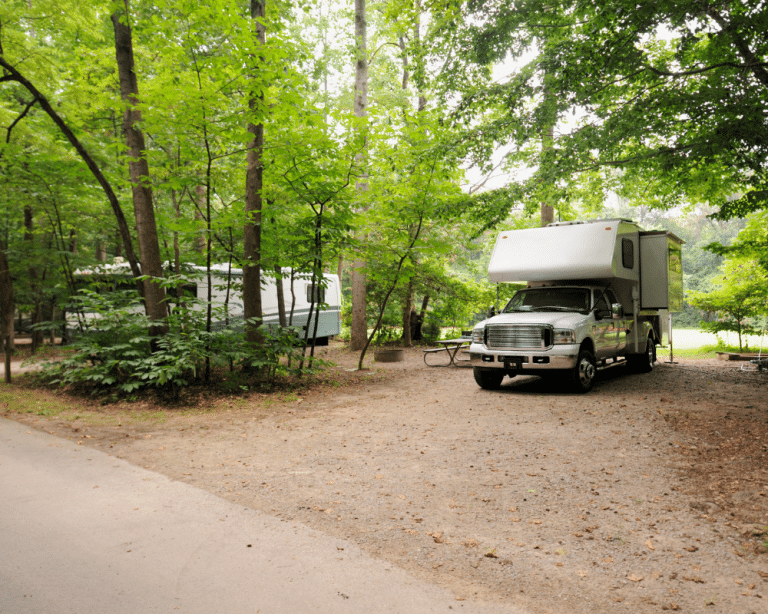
[
  {"x": 584, "y": 373},
  {"x": 488, "y": 379},
  {"x": 643, "y": 363}
]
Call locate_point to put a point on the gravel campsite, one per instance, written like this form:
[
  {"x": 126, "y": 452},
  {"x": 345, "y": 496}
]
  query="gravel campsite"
[{"x": 649, "y": 493}]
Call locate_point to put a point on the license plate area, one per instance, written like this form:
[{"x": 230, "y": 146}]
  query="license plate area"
[{"x": 511, "y": 362}]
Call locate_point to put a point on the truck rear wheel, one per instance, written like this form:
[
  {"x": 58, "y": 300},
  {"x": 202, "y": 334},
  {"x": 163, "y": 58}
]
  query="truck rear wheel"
[
  {"x": 584, "y": 373},
  {"x": 488, "y": 379},
  {"x": 643, "y": 363}
]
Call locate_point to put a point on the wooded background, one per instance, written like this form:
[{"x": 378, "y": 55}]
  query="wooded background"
[{"x": 383, "y": 141}]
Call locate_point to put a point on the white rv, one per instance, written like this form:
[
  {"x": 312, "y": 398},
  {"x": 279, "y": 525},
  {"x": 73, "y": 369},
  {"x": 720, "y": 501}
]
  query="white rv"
[
  {"x": 297, "y": 297},
  {"x": 226, "y": 287},
  {"x": 598, "y": 295}
]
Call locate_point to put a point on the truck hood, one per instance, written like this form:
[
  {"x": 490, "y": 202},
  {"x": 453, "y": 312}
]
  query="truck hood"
[{"x": 556, "y": 319}]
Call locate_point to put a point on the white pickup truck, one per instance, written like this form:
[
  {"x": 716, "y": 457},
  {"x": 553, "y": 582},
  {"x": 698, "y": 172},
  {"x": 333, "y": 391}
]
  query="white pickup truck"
[{"x": 598, "y": 295}]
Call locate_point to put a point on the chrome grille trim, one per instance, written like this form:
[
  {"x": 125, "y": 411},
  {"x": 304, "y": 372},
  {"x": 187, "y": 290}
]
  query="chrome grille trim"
[{"x": 519, "y": 336}]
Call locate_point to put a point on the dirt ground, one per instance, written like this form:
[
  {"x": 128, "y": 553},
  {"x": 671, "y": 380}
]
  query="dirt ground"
[{"x": 650, "y": 493}]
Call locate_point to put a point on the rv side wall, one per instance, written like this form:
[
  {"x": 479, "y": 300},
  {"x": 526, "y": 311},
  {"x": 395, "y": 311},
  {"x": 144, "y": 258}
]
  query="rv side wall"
[
  {"x": 329, "y": 318},
  {"x": 661, "y": 272},
  {"x": 604, "y": 249}
]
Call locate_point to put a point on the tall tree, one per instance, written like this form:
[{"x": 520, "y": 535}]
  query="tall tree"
[
  {"x": 254, "y": 186},
  {"x": 359, "y": 331},
  {"x": 143, "y": 206},
  {"x": 6, "y": 310}
]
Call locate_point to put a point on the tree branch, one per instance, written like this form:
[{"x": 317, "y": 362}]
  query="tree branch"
[
  {"x": 665, "y": 73},
  {"x": 125, "y": 233},
  {"x": 18, "y": 119},
  {"x": 757, "y": 67}
]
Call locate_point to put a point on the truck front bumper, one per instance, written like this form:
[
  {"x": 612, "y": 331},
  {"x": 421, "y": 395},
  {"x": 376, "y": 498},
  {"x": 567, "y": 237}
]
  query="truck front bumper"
[{"x": 557, "y": 358}]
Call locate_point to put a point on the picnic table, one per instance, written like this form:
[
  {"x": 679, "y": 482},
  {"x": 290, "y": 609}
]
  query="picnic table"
[{"x": 452, "y": 348}]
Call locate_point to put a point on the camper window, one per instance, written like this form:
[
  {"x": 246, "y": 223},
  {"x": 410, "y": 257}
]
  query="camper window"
[
  {"x": 318, "y": 291},
  {"x": 627, "y": 253}
]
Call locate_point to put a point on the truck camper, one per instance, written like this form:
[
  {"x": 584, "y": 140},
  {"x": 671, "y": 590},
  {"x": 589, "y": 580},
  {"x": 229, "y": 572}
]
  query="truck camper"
[
  {"x": 226, "y": 288},
  {"x": 598, "y": 294}
]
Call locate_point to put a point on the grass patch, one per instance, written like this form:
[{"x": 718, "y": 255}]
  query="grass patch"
[
  {"x": 20, "y": 401},
  {"x": 691, "y": 353},
  {"x": 708, "y": 351}
]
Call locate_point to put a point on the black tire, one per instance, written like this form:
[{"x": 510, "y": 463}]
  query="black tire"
[
  {"x": 488, "y": 379},
  {"x": 584, "y": 373},
  {"x": 643, "y": 363}
]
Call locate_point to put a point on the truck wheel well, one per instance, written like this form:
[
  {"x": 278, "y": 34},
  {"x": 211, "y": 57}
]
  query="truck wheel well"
[{"x": 587, "y": 344}]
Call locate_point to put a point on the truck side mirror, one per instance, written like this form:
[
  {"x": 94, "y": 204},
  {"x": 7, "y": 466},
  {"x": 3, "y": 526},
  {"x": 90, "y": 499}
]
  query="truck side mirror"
[
  {"x": 491, "y": 311},
  {"x": 617, "y": 311}
]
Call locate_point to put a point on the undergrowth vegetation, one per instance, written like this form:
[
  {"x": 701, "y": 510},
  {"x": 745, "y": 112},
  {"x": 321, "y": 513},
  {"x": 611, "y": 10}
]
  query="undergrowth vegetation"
[{"x": 115, "y": 354}]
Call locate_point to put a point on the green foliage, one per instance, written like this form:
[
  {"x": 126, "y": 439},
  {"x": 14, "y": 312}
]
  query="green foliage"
[
  {"x": 671, "y": 93},
  {"x": 116, "y": 354},
  {"x": 752, "y": 241},
  {"x": 741, "y": 294}
]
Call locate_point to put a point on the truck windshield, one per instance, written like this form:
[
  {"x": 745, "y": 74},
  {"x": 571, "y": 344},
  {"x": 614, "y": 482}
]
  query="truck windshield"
[{"x": 549, "y": 299}]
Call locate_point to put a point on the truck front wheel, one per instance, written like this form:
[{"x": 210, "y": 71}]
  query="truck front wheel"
[
  {"x": 584, "y": 373},
  {"x": 488, "y": 379}
]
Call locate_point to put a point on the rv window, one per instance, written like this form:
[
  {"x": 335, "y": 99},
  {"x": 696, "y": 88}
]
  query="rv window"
[
  {"x": 319, "y": 293},
  {"x": 189, "y": 290},
  {"x": 628, "y": 253},
  {"x": 105, "y": 285}
]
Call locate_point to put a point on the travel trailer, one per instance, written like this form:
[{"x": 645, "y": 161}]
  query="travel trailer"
[
  {"x": 598, "y": 294},
  {"x": 226, "y": 287}
]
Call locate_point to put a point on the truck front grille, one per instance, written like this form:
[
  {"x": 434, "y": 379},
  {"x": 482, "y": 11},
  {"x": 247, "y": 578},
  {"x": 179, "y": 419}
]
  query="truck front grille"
[{"x": 518, "y": 336}]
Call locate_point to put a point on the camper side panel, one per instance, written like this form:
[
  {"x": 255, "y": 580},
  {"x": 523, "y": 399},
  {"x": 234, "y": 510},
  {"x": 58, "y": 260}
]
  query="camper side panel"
[
  {"x": 661, "y": 272},
  {"x": 606, "y": 249}
]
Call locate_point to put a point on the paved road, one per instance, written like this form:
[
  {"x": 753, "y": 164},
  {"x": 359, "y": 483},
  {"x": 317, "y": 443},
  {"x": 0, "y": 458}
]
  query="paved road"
[{"x": 83, "y": 532}]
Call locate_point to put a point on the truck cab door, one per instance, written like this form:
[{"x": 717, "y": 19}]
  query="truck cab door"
[
  {"x": 620, "y": 323},
  {"x": 606, "y": 331}
]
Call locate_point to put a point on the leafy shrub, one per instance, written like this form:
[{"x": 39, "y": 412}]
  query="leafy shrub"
[{"x": 115, "y": 352}]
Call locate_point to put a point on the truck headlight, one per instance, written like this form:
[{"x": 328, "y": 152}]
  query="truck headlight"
[
  {"x": 477, "y": 335},
  {"x": 564, "y": 336}
]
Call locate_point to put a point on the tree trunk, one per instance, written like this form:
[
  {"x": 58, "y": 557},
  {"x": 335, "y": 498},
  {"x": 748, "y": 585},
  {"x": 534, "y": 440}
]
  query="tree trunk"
[
  {"x": 6, "y": 310},
  {"x": 281, "y": 315},
  {"x": 252, "y": 309},
  {"x": 547, "y": 214},
  {"x": 138, "y": 167},
  {"x": 101, "y": 250},
  {"x": 359, "y": 332},
  {"x": 547, "y": 138},
  {"x": 407, "y": 337},
  {"x": 36, "y": 315},
  {"x": 199, "y": 241},
  {"x": 424, "y": 304}
]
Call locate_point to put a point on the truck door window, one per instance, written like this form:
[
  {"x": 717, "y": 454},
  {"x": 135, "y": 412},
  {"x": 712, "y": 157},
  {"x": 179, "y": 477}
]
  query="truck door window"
[{"x": 602, "y": 307}]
